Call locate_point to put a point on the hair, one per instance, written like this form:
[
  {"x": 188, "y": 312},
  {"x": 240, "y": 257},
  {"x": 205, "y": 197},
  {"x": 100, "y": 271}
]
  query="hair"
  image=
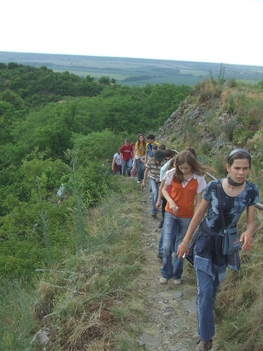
[
  {"x": 126, "y": 140},
  {"x": 238, "y": 154},
  {"x": 162, "y": 147},
  {"x": 138, "y": 141},
  {"x": 168, "y": 153},
  {"x": 150, "y": 136},
  {"x": 187, "y": 156},
  {"x": 191, "y": 149}
]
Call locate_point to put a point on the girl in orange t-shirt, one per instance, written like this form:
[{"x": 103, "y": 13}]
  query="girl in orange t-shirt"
[{"x": 186, "y": 184}]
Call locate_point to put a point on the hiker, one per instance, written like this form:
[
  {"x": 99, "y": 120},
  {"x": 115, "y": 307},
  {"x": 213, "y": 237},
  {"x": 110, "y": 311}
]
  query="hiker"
[
  {"x": 223, "y": 201},
  {"x": 116, "y": 163},
  {"x": 126, "y": 153},
  {"x": 140, "y": 157},
  {"x": 151, "y": 143},
  {"x": 152, "y": 171},
  {"x": 168, "y": 155},
  {"x": 161, "y": 199},
  {"x": 187, "y": 183}
]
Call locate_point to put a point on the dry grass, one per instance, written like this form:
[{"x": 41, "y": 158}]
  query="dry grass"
[{"x": 92, "y": 294}]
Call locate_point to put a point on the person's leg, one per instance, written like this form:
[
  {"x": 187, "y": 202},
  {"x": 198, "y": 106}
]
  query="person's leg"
[
  {"x": 154, "y": 194},
  {"x": 142, "y": 169},
  {"x": 169, "y": 228},
  {"x": 164, "y": 201},
  {"x": 160, "y": 245},
  {"x": 205, "y": 304},
  {"x": 138, "y": 168},
  {"x": 124, "y": 164},
  {"x": 182, "y": 226},
  {"x": 129, "y": 166}
]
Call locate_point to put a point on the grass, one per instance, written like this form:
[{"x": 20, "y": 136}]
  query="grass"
[{"x": 90, "y": 299}]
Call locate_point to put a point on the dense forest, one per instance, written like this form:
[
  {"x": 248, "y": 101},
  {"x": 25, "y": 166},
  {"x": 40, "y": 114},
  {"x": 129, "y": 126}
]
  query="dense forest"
[{"x": 61, "y": 128}]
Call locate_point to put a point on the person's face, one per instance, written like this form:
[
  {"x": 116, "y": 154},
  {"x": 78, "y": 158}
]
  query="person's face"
[
  {"x": 150, "y": 141},
  {"x": 185, "y": 168},
  {"x": 141, "y": 138},
  {"x": 239, "y": 170}
]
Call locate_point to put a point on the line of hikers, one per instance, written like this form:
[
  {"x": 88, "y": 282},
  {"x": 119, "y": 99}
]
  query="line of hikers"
[{"x": 191, "y": 208}]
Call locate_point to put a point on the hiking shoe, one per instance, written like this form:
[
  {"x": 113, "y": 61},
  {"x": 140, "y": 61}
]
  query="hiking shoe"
[
  {"x": 160, "y": 255},
  {"x": 163, "y": 281},
  {"x": 204, "y": 345},
  {"x": 138, "y": 181},
  {"x": 160, "y": 224},
  {"x": 177, "y": 281}
]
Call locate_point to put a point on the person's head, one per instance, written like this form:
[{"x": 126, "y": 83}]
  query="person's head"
[
  {"x": 154, "y": 148},
  {"x": 168, "y": 154},
  {"x": 151, "y": 138},
  {"x": 238, "y": 165},
  {"x": 158, "y": 156},
  {"x": 191, "y": 149},
  {"x": 186, "y": 164},
  {"x": 126, "y": 141},
  {"x": 141, "y": 138},
  {"x": 162, "y": 147}
]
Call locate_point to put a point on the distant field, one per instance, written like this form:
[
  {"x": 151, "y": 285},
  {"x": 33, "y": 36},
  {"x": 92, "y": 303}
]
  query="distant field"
[{"x": 129, "y": 71}]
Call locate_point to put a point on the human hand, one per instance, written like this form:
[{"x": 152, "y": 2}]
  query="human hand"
[
  {"x": 182, "y": 249},
  {"x": 246, "y": 237},
  {"x": 158, "y": 204},
  {"x": 173, "y": 206}
]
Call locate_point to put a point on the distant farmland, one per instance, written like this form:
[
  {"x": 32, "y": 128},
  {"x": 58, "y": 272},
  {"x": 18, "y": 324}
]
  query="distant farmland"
[{"x": 131, "y": 71}]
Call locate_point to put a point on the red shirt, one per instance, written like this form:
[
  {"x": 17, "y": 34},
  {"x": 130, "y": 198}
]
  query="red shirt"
[{"x": 126, "y": 151}]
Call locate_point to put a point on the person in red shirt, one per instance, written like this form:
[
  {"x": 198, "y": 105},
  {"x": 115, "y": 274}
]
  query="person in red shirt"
[{"x": 126, "y": 153}]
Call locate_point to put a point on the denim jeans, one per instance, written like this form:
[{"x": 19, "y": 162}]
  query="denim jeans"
[
  {"x": 174, "y": 229},
  {"x": 208, "y": 277},
  {"x": 127, "y": 164},
  {"x": 154, "y": 193},
  {"x": 140, "y": 169}
]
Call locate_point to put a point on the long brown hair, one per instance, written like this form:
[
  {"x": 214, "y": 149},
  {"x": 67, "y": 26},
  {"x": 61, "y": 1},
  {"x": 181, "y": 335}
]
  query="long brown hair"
[
  {"x": 138, "y": 142},
  {"x": 187, "y": 156}
]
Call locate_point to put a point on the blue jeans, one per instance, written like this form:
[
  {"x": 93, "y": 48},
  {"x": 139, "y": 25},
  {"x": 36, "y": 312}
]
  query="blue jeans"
[
  {"x": 208, "y": 277},
  {"x": 140, "y": 169},
  {"x": 127, "y": 164},
  {"x": 160, "y": 245},
  {"x": 154, "y": 193},
  {"x": 174, "y": 229}
]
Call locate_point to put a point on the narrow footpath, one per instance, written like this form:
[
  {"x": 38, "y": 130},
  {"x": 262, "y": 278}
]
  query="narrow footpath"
[{"x": 171, "y": 324}]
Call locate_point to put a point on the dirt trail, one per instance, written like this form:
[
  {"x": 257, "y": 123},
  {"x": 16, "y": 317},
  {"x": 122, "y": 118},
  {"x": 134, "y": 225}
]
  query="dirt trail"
[{"x": 172, "y": 324}]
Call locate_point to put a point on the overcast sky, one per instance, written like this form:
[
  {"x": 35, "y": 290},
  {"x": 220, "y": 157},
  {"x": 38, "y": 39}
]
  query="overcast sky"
[{"x": 223, "y": 31}]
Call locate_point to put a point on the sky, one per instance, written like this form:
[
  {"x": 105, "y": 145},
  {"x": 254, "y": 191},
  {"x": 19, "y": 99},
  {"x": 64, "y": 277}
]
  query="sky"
[{"x": 221, "y": 31}]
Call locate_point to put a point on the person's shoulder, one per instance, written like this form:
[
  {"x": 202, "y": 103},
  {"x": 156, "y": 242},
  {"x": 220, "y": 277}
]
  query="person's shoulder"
[{"x": 251, "y": 185}]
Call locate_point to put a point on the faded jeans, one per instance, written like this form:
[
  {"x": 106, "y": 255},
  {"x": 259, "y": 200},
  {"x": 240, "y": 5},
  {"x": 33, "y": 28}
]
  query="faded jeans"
[
  {"x": 208, "y": 277},
  {"x": 154, "y": 193},
  {"x": 140, "y": 169},
  {"x": 127, "y": 164},
  {"x": 174, "y": 229}
]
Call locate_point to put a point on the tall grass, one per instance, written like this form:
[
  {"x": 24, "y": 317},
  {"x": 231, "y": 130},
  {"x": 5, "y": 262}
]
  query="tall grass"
[{"x": 87, "y": 298}]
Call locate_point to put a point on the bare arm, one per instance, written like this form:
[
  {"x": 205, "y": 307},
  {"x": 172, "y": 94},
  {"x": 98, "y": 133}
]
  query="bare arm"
[
  {"x": 246, "y": 237},
  {"x": 145, "y": 176}
]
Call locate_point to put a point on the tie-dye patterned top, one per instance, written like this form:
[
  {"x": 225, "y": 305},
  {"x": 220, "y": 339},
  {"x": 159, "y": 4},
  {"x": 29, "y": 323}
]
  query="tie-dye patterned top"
[{"x": 232, "y": 206}]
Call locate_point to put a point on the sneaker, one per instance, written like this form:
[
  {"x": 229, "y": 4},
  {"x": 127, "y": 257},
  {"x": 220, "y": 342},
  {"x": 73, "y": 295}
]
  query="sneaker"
[
  {"x": 204, "y": 345},
  {"x": 177, "y": 281},
  {"x": 160, "y": 224},
  {"x": 154, "y": 215},
  {"x": 138, "y": 181},
  {"x": 163, "y": 281},
  {"x": 160, "y": 255}
]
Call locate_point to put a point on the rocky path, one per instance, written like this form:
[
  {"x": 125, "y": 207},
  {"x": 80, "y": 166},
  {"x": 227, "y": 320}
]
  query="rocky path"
[{"x": 172, "y": 324}]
